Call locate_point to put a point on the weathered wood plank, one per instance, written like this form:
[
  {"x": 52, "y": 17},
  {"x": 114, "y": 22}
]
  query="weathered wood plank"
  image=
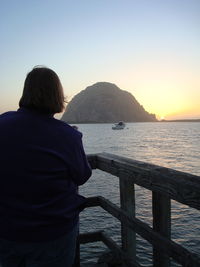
[
  {"x": 90, "y": 237},
  {"x": 92, "y": 160},
  {"x": 161, "y": 209},
  {"x": 127, "y": 199},
  {"x": 180, "y": 254},
  {"x": 180, "y": 186},
  {"x": 113, "y": 246},
  {"x": 92, "y": 202},
  {"x": 110, "y": 243}
]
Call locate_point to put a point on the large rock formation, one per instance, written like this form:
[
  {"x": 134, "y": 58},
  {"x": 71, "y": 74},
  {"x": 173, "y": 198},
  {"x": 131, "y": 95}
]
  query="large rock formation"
[{"x": 105, "y": 102}]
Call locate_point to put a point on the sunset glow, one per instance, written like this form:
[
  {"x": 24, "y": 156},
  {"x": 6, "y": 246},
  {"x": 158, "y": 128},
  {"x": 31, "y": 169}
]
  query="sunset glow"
[{"x": 149, "y": 48}]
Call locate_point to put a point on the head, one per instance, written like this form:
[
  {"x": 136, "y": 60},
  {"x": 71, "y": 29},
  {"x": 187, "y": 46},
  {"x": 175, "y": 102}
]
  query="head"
[{"x": 43, "y": 91}]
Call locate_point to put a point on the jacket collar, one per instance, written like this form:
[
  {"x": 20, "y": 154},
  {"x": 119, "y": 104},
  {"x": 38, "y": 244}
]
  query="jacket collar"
[{"x": 35, "y": 112}]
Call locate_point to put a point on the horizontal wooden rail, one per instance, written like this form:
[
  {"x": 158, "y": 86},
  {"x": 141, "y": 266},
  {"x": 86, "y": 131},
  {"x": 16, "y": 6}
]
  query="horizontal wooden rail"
[
  {"x": 180, "y": 186},
  {"x": 177, "y": 252},
  {"x": 92, "y": 160},
  {"x": 90, "y": 237}
]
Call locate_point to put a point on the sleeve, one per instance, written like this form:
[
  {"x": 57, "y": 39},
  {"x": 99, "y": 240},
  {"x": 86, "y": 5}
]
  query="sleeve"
[{"x": 79, "y": 169}]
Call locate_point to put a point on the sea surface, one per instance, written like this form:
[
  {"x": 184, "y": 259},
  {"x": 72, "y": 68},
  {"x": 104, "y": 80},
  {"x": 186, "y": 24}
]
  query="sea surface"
[{"x": 171, "y": 144}]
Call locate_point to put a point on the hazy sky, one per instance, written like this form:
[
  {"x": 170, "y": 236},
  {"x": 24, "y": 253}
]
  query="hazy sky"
[{"x": 150, "y": 48}]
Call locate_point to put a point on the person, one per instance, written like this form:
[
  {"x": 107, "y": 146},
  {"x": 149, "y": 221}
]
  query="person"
[{"x": 42, "y": 164}]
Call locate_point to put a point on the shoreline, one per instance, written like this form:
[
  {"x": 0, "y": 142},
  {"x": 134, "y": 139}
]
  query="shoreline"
[{"x": 184, "y": 120}]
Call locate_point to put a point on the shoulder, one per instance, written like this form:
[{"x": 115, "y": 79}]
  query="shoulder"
[
  {"x": 7, "y": 115},
  {"x": 68, "y": 129}
]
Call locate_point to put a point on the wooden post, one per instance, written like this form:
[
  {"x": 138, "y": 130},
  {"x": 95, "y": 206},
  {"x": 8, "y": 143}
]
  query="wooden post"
[
  {"x": 161, "y": 206},
  {"x": 127, "y": 199}
]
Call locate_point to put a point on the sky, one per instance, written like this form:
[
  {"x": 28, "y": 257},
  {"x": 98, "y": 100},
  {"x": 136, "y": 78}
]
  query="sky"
[{"x": 150, "y": 48}]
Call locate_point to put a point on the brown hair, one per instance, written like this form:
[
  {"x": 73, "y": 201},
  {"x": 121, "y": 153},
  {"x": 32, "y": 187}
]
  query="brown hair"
[{"x": 43, "y": 91}]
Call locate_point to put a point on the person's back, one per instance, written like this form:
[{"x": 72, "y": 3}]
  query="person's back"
[{"x": 42, "y": 163}]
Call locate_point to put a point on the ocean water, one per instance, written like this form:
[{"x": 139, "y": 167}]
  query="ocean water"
[{"x": 169, "y": 144}]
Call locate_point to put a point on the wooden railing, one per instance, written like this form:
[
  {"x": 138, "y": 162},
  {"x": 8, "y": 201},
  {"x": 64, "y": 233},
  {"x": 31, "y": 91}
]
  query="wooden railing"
[{"x": 165, "y": 184}]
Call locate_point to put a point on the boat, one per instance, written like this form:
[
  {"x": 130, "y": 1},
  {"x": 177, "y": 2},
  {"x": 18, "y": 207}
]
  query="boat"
[{"x": 119, "y": 126}]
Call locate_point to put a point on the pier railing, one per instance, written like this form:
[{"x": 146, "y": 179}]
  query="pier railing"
[{"x": 165, "y": 184}]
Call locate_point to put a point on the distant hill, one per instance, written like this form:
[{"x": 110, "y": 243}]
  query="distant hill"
[{"x": 105, "y": 102}]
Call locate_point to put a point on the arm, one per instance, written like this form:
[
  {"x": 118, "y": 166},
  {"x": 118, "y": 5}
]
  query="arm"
[{"x": 79, "y": 168}]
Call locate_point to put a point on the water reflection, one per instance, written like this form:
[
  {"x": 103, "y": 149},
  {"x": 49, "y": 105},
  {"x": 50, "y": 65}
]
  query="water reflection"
[{"x": 174, "y": 145}]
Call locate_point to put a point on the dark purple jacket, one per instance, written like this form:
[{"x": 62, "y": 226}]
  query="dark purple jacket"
[{"x": 42, "y": 163}]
